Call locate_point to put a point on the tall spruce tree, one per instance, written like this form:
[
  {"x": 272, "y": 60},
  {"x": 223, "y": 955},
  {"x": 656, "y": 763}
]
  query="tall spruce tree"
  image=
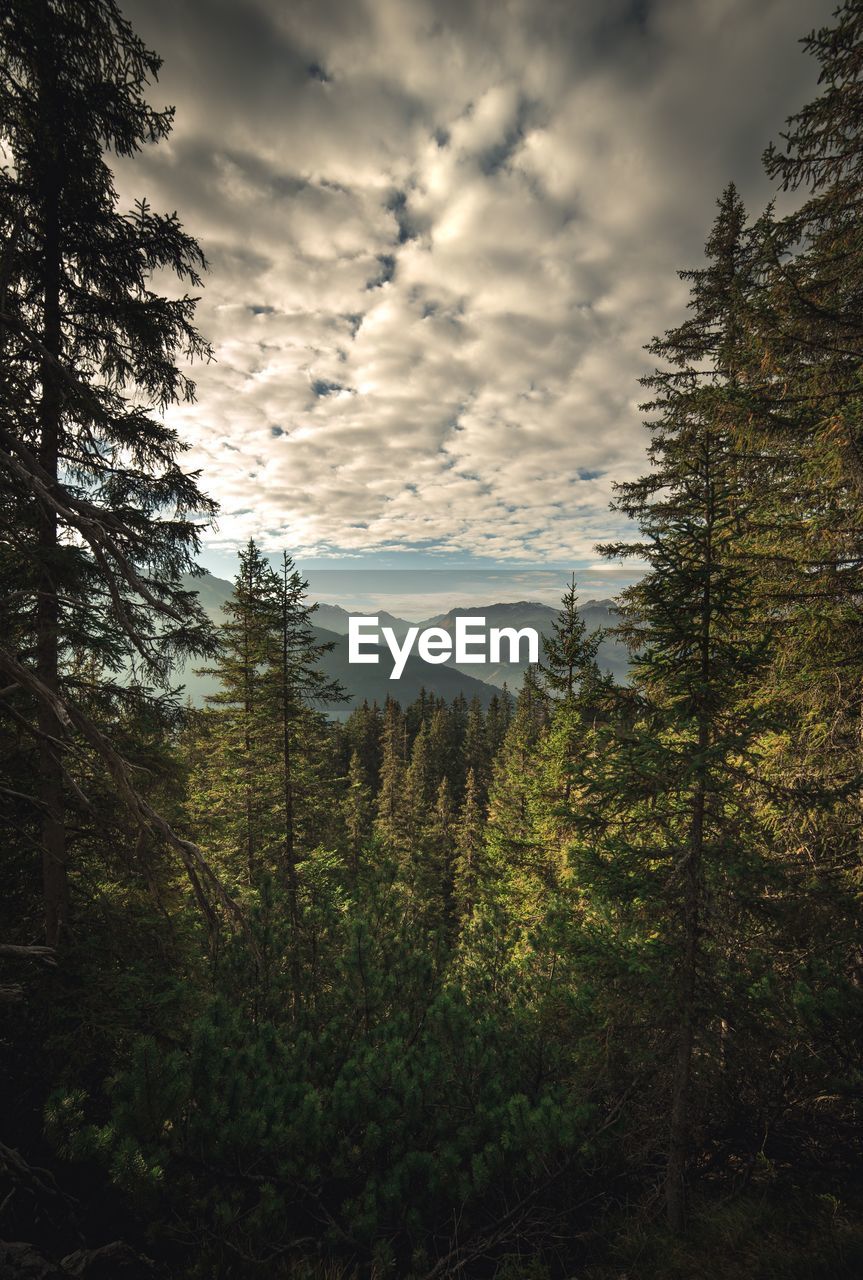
[
  {"x": 669, "y": 801},
  {"x": 573, "y": 682},
  {"x": 569, "y": 653},
  {"x": 469, "y": 850},
  {"x": 390, "y": 801},
  {"x": 516, "y": 864},
  {"x": 236, "y": 799},
  {"x": 475, "y": 753},
  {"x": 96, "y": 502},
  {"x": 298, "y": 689},
  {"x": 815, "y": 332},
  {"x": 358, "y": 812}
]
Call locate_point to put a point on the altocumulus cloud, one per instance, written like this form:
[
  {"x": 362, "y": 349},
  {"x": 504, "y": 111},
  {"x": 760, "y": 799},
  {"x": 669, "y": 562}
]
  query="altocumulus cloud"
[{"x": 440, "y": 234}]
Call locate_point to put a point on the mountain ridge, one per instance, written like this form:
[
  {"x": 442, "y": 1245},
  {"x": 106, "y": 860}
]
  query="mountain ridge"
[{"x": 370, "y": 682}]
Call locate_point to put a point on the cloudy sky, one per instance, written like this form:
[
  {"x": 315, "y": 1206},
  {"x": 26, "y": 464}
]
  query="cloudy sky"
[{"x": 440, "y": 234}]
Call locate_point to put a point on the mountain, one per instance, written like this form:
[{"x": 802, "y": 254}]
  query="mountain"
[
  {"x": 214, "y": 592},
  {"x": 446, "y": 680},
  {"x": 368, "y": 681},
  {"x": 334, "y": 618},
  {"x": 612, "y": 655},
  {"x": 373, "y": 684}
]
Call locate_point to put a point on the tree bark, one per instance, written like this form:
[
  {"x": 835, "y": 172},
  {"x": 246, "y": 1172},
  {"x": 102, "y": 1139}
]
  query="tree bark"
[
  {"x": 288, "y": 795},
  {"x": 53, "y": 835},
  {"x": 248, "y": 673},
  {"x": 678, "y": 1144}
]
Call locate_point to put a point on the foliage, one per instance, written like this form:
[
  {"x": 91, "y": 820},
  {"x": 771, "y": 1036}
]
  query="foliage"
[{"x": 497, "y": 984}]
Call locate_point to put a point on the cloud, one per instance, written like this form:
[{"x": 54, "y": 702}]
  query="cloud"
[{"x": 440, "y": 235}]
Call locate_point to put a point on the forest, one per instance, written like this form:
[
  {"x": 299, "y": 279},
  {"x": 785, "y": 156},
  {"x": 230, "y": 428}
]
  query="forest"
[{"x": 567, "y": 986}]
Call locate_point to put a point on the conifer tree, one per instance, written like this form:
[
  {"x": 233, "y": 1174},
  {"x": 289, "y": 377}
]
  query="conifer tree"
[
  {"x": 363, "y": 732},
  {"x": 390, "y": 802},
  {"x": 571, "y": 678},
  {"x": 509, "y": 804},
  {"x": 420, "y": 786},
  {"x": 443, "y": 744},
  {"x": 298, "y": 688},
  {"x": 669, "y": 801},
  {"x": 476, "y": 755},
  {"x": 244, "y": 733},
  {"x": 438, "y": 856},
  {"x": 104, "y": 516},
  {"x": 807, "y": 436},
  {"x": 569, "y": 653},
  {"x": 358, "y": 811},
  {"x": 498, "y": 720},
  {"x": 812, "y": 333},
  {"x": 516, "y": 858},
  {"x": 469, "y": 849}
]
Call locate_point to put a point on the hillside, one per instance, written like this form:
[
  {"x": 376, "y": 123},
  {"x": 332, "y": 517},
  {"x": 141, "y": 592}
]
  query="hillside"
[
  {"x": 530, "y": 613},
  {"x": 372, "y": 683},
  {"x": 367, "y": 682}
]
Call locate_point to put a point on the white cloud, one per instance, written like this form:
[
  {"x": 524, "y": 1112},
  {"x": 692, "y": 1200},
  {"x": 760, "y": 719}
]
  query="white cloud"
[{"x": 440, "y": 235}]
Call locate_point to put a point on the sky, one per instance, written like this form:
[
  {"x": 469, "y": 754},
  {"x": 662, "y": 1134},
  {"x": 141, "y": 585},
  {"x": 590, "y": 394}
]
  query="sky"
[{"x": 440, "y": 233}]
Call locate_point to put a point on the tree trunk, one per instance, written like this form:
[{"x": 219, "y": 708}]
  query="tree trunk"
[
  {"x": 54, "y": 868},
  {"x": 675, "y": 1178},
  {"x": 248, "y": 668},
  {"x": 678, "y": 1143},
  {"x": 288, "y": 795}
]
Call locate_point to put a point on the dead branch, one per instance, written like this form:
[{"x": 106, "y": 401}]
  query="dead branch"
[{"x": 45, "y": 954}]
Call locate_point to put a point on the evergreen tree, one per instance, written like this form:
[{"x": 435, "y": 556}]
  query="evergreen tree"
[
  {"x": 518, "y": 869},
  {"x": 358, "y": 811},
  {"x": 363, "y": 732},
  {"x": 570, "y": 654},
  {"x": 572, "y": 680},
  {"x": 812, "y": 332},
  {"x": 390, "y": 802},
  {"x": 443, "y": 744},
  {"x": 102, "y": 511},
  {"x": 475, "y": 754},
  {"x": 298, "y": 688},
  {"x": 438, "y": 861},
  {"x": 498, "y": 720},
  {"x": 669, "y": 805},
  {"x": 420, "y": 786},
  {"x": 469, "y": 849},
  {"x": 235, "y": 798}
]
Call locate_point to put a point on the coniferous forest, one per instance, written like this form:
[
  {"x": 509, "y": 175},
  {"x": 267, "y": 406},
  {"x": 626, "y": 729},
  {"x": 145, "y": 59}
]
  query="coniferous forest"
[{"x": 570, "y": 986}]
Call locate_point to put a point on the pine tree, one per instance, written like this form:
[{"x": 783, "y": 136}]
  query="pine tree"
[
  {"x": 516, "y": 859},
  {"x": 469, "y": 849},
  {"x": 443, "y": 744},
  {"x": 475, "y": 755},
  {"x": 363, "y": 732},
  {"x": 572, "y": 680},
  {"x": 498, "y": 720},
  {"x": 509, "y": 797},
  {"x": 439, "y": 856},
  {"x": 420, "y": 786},
  {"x": 809, "y": 430},
  {"x": 298, "y": 688},
  {"x": 103, "y": 513},
  {"x": 569, "y": 653},
  {"x": 813, "y": 336},
  {"x": 358, "y": 811},
  {"x": 244, "y": 732},
  {"x": 668, "y": 807},
  {"x": 390, "y": 801}
]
